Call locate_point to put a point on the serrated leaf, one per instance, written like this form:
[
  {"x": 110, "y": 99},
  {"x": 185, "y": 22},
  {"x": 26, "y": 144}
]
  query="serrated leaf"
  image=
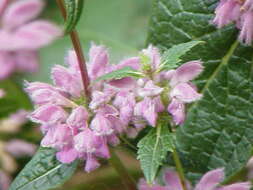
[
  {"x": 218, "y": 130},
  {"x": 74, "y": 10},
  {"x": 153, "y": 149},
  {"x": 171, "y": 57},
  {"x": 43, "y": 172},
  {"x": 121, "y": 73}
]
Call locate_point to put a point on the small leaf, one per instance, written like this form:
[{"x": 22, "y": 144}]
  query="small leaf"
[
  {"x": 121, "y": 73},
  {"x": 43, "y": 172},
  {"x": 74, "y": 10},
  {"x": 153, "y": 149},
  {"x": 171, "y": 57}
]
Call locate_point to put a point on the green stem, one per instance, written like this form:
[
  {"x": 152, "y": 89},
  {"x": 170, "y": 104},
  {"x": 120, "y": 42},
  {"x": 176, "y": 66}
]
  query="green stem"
[
  {"x": 179, "y": 168},
  {"x": 127, "y": 180}
]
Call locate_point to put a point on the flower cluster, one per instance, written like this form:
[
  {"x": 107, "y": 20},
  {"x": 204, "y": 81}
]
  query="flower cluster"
[
  {"x": 210, "y": 181},
  {"x": 82, "y": 127},
  {"x": 238, "y": 11},
  {"x": 21, "y": 36}
]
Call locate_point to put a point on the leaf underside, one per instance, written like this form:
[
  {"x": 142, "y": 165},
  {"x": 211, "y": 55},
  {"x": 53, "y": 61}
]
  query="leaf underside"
[
  {"x": 218, "y": 131},
  {"x": 43, "y": 172}
]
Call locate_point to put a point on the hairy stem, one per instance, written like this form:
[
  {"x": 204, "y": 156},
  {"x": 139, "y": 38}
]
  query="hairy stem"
[
  {"x": 127, "y": 180},
  {"x": 78, "y": 49},
  {"x": 179, "y": 168}
]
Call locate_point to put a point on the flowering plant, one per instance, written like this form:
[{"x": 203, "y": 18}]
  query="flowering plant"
[{"x": 186, "y": 99}]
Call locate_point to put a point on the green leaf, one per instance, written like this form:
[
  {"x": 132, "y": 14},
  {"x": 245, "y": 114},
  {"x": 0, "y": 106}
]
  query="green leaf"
[
  {"x": 74, "y": 10},
  {"x": 218, "y": 130},
  {"x": 121, "y": 73},
  {"x": 171, "y": 57},
  {"x": 43, "y": 172},
  {"x": 153, "y": 149}
]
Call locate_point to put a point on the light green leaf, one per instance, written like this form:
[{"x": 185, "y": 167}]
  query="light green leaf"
[
  {"x": 121, "y": 73},
  {"x": 43, "y": 172},
  {"x": 74, "y": 10},
  {"x": 218, "y": 130},
  {"x": 171, "y": 57},
  {"x": 153, "y": 149}
]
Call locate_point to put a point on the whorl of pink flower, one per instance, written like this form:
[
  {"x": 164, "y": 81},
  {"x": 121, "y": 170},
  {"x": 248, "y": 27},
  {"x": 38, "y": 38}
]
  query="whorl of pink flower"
[
  {"x": 241, "y": 13},
  {"x": 210, "y": 181},
  {"x": 21, "y": 36},
  {"x": 81, "y": 128},
  {"x": 76, "y": 128}
]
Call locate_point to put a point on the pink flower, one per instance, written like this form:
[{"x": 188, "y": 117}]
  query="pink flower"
[
  {"x": 21, "y": 36},
  {"x": 227, "y": 12},
  {"x": 246, "y": 34},
  {"x": 182, "y": 90},
  {"x": 210, "y": 181},
  {"x": 239, "y": 12}
]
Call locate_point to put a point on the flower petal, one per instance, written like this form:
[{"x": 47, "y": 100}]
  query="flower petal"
[
  {"x": 36, "y": 34},
  {"x": 21, "y": 12},
  {"x": 67, "y": 155},
  {"x": 185, "y": 93},
  {"x": 177, "y": 110},
  {"x": 172, "y": 180},
  {"x": 210, "y": 180},
  {"x": 186, "y": 72}
]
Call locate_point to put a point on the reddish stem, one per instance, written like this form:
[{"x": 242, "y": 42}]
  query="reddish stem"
[{"x": 78, "y": 49}]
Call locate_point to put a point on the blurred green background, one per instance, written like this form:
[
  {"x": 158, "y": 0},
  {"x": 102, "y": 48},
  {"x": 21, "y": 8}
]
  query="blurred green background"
[{"x": 121, "y": 25}]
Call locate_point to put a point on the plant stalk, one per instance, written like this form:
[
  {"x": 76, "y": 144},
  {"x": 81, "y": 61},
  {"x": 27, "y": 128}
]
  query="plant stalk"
[
  {"x": 79, "y": 52},
  {"x": 179, "y": 168},
  {"x": 126, "y": 179}
]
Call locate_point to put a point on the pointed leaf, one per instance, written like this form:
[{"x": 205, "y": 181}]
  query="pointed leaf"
[
  {"x": 153, "y": 149},
  {"x": 43, "y": 172},
  {"x": 121, "y": 73},
  {"x": 171, "y": 57}
]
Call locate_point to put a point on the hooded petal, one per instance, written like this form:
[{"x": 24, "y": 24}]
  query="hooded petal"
[
  {"x": 172, "y": 180},
  {"x": 86, "y": 141},
  {"x": 210, "y": 180},
  {"x": 78, "y": 118},
  {"x": 36, "y": 34},
  {"x": 150, "y": 89},
  {"x": 49, "y": 114},
  {"x": 58, "y": 137},
  {"x": 98, "y": 61},
  {"x": 185, "y": 93},
  {"x": 91, "y": 163},
  {"x": 67, "y": 155},
  {"x": 67, "y": 81},
  {"x": 21, "y": 12},
  {"x": 150, "y": 113},
  {"x": 226, "y": 12},
  {"x": 186, "y": 72},
  {"x": 101, "y": 125},
  {"x": 246, "y": 34},
  {"x": 177, "y": 110}
]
